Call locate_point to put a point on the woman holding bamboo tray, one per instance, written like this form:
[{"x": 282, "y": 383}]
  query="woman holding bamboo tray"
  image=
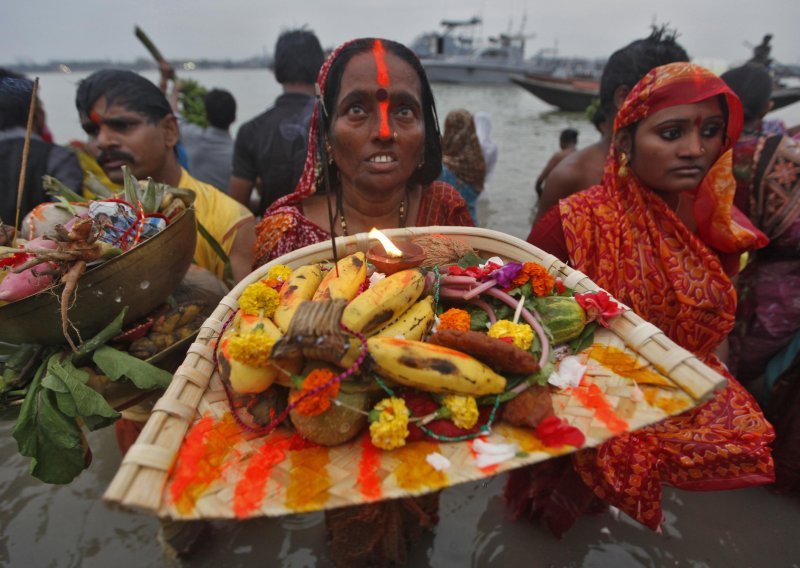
[
  {"x": 375, "y": 138},
  {"x": 661, "y": 234},
  {"x": 374, "y": 153}
]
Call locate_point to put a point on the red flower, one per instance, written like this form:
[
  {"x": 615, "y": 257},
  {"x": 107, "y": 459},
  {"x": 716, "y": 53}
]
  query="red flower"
[
  {"x": 560, "y": 288},
  {"x": 599, "y": 306},
  {"x": 555, "y": 432},
  {"x": 475, "y": 271}
]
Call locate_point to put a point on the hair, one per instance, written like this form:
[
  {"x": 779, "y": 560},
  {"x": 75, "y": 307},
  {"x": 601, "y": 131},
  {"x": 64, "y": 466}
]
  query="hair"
[
  {"x": 432, "y": 158},
  {"x": 628, "y": 65},
  {"x": 568, "y": 136},
  {"x": 752, "y": 83},
  {"x": 125, "y": 88},
  {"x": 15, "y": 99},
  {"x": 220, "y": 108},
  {"x": 298, "y": 57}
]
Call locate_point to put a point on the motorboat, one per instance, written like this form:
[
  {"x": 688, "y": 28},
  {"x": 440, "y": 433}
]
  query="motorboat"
[{"x": 458, "y": 54}]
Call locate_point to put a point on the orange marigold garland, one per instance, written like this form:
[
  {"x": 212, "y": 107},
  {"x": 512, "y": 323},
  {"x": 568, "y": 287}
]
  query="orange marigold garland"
[
  {"x": 454, "y": 318},
  {"x": 320, "y": 401},
  {"x": 541, "y": 280}
]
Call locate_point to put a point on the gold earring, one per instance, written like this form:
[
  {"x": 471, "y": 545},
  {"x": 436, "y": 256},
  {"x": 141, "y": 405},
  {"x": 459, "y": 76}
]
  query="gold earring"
[
  {"x": 329, "y": 151},
  {"x": 623, "y": 165}
]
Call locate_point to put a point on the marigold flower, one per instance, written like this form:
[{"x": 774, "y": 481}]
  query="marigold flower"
[
  {"x": 252, "y": 348},
  {"x": 521, "y": 334},
  {"x": 463, "y": 410},
  {"x": 258, "y": 297},
  {"x": 320, "y": 401},
  {"x": 279, "y": 272},
  {"x": 454, "y": 318},
  {"x": 541, "y": 280},
  {"x": 390, "y": 429}
]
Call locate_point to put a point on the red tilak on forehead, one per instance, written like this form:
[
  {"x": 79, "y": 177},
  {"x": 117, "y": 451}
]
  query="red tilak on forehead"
[
  {"x": 383, "y": 81},
  {"x": 95, "y": 117}
]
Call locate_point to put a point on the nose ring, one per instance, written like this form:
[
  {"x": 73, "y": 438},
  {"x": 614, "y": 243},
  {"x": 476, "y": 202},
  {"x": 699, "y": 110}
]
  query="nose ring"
[
  {"x": 702, "y": 149},
  {"x": 395, "y": 136}
]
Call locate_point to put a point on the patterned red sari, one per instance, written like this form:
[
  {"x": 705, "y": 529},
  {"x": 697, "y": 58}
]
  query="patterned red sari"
[{"x": 626, "y": 238}]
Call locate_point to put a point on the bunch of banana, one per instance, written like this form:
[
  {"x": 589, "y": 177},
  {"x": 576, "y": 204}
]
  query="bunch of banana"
[
  {"x": 391, "y": 303},
  {"x": 432, "y": 368},
  {"x": 384, "y": 301},
  {"x": 343, "y": 281}
]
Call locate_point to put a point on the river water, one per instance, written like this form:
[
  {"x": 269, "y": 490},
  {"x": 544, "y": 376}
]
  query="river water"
[{"x": 66, "y": 526}]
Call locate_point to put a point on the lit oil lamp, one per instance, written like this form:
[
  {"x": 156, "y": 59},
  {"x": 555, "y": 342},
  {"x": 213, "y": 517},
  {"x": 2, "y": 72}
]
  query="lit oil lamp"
[{"x": 389, "y": 257}]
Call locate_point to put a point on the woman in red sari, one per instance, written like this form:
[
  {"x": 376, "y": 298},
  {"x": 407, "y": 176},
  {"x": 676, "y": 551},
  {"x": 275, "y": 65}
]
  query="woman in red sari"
[
  {"x": 662, "y": 235},
  {"x": 375, "y": 131}
]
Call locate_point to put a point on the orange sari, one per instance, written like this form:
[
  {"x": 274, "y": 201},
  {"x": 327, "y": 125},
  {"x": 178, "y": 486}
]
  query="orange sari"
[{"x": 626, "y": 238}]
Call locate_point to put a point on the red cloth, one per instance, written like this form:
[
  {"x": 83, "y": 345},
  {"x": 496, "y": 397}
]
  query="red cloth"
[{"x": 624, "y": 237}]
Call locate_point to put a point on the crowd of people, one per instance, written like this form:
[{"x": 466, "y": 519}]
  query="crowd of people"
[{"x": 687, "y": 209}]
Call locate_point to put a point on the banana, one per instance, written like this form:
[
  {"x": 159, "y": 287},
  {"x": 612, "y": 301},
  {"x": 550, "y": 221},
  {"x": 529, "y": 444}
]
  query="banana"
[
  {"x": 247, "y": 379},
  {"x": 384, "y": 301},
  {"x": 344, "y": 284},
  {"x": 300, "y": 287},
  {"x": 412, "y": 324},
  {"x": 432, "y": 368}
]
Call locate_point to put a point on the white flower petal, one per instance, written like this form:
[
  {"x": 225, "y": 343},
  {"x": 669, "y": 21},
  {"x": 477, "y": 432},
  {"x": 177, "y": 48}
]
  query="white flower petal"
[
  {"x": 438, "y": 461},
  {"x": 569, "y": 374}
]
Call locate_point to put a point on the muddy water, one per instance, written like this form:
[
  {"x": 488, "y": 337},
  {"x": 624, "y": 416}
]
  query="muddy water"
[{"x": 49, "y": 526}]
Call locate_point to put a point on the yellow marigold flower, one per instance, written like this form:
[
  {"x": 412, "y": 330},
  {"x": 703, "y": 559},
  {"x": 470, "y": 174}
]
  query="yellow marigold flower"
[
  {"x": 252, "y": 348},
  {"x": 258, "y": 297},
  {"x": 279, "y": 272},
  {"x": 390, "y": 429},
  {"x": 463, "y": 410},
  {"x": 521, "y": 334},
  {"x": 454, "y": 318}
]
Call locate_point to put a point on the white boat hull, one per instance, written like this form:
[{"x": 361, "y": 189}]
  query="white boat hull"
[{"x": 469, "y": 72}]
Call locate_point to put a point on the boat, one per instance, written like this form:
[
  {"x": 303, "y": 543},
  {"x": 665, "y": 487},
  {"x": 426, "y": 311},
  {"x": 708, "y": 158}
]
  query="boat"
[
  {"x": 577, "y": 93},
  {"x": 784, "y": 96},
  {"x": 462, "y": 57},
  {"x": 569, "y": 94}
]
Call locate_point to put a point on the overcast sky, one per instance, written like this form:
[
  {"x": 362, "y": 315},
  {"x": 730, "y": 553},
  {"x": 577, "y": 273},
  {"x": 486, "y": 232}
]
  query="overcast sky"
[{"x": 43, "y": 30}]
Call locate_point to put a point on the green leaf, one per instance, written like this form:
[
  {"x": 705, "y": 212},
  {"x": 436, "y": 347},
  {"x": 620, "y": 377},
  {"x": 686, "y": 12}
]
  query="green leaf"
[
  {"x": 130, "y": 186},
  {"x": 54, "y": 384},
  {"x": 116, "y": 364},
  {"x": 478, "y": 319},
  {"x": 45, "y": 434},
  {"x": 585, "y": 339},
  {"x": 84, "y": 401},
  {"x": 227, "y": 271},
  {"x": 470, "y": 259}
]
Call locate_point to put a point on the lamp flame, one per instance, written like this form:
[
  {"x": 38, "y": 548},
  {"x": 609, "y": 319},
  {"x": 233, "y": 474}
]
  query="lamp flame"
[{"x": 388, "y": 245}]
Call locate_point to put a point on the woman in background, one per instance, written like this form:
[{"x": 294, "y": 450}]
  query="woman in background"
[
  {"x": 661, "y": 234},
  {"x": 464, "y": 166}
]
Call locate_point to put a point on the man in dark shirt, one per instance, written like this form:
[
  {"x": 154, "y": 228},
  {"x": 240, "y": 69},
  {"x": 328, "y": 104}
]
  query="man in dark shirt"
[
  {"x": 43, "y": 157},
  {"x": 270, "y": 149}
]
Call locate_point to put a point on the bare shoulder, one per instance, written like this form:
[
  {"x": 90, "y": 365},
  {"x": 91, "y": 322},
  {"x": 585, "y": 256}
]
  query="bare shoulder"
[{"x": 577, "y": 171}]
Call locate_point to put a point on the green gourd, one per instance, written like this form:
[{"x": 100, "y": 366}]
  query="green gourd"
[{"x": 562, "y": 316}]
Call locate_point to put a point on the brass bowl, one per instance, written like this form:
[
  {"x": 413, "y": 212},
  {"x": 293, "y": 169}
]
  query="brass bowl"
[{"x": 140, "y": 278}]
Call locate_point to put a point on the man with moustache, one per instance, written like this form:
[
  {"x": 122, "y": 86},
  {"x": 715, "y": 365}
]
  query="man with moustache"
[{"x": 132, "y": 124}]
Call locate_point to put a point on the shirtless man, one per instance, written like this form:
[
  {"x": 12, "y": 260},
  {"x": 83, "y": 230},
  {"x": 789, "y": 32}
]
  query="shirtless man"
[
  {"x": 568, "y": 142},
  {"x": 584, "y": 168}
]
